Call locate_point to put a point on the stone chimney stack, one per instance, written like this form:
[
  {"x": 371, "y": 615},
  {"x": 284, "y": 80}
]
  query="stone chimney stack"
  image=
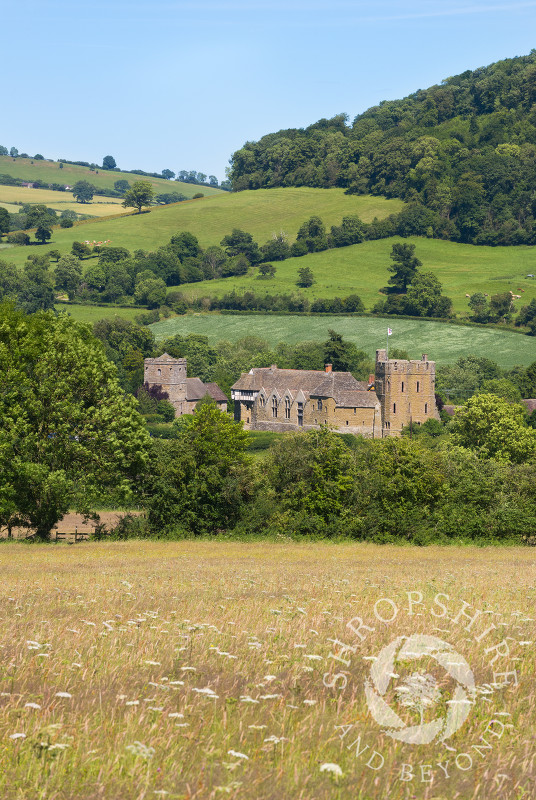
[
  {"x": 329, "y": 367},
  {"x": 424, "y": 357}
]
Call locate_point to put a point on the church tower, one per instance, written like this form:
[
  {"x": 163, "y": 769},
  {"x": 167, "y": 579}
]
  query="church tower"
[{"x": 170, "y": 374}]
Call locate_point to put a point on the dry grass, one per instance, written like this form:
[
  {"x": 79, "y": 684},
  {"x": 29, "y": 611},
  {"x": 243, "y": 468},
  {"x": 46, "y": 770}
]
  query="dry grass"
[{"x": 178, "y": 660}]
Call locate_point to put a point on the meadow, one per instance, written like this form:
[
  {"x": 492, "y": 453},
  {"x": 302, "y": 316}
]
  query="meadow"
[
  {"x": 49, "y": 171},
  {"x": 12, "y": 196},
  {"x": 91, "y": 314},
  {"x": 363, "y": 269},
  {"x": 210, "y": 218},
  {"x": 444, "y": 343},
  {"x": 208, "y": 669}
]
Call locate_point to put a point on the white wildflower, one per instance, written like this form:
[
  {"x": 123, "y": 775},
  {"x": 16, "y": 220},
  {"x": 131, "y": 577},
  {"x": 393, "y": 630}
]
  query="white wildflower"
[
  {"x": 18, "y": 736},
  {"x": 236, "y": 754},
  {"x": 247, "y": 699},
  {"x": 32, "y": 705},
  {"x": 63, "y": 694},
  {"x": 309, "y": 702},
  {"x": 140, "y": 749},
  {"x": 176, "y": 714},
  {"x": 313, "y": 657},
  {"x": 153, "y": 663},
  {"x": 270, "y": 696},
  {"x": 334, "y": 769},
  {"x": 132, "y": 703}
]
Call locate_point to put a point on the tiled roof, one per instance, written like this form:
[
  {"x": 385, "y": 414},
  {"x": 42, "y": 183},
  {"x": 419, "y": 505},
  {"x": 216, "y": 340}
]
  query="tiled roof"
[
  {"x": 216, "y": 393},
  {"x": 164, "y": 357},
  {"x": 342, "y": 386},
  {"x": 195, "y": 389}
]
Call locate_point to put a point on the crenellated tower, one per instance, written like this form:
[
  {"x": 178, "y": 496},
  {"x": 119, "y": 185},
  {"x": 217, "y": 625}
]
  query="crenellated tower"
[
  {"x": 406, "y": 391},
  {"x": 168, "y": 373}
]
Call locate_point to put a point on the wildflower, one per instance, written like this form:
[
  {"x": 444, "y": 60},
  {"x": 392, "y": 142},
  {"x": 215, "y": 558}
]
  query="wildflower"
[
  {"x": 275, "y": 739},
  {"x": 176, "y": 714},
  {"x": 309, "y": 702},
  {"x": 132, "y": 703},
  {"x": 209, "y": 692},
  {"x": 63, "y": 694},
  {"x": 247, "y": 699},
  {"x": 334, "y": 769},
  {"x": 140, "y": 749},
  {"x": 257, "y": 727},
  {"x": 153, "y": 663},
  {"x": 237, "y": 755},
  {"x": 270, "y": 696},
  {"x": 32, "y": 705},
  {"x": 313, "y": 657},
  {"x": 18, "y": 736}
]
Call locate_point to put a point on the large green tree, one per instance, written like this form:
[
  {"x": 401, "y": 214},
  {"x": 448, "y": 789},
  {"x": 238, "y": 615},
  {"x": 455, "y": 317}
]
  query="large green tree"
[
  {"x": 404, "y": 266},
  {"x": 67, "y": 431},
  {"x": 83, "y": 191},
  {"x": 139, "y": 195}
]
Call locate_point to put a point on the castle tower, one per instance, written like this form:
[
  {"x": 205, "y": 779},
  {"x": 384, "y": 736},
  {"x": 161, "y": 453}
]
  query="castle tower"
[
  {"x": 170, "y": 374},
  {"x": 406, "y": 391}
]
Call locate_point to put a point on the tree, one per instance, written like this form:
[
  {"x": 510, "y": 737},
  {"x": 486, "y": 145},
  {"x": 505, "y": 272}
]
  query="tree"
[
  {"x": 4, "y": 221},
  {"x": 267, "y": 270},
  {"x": 305, "y": 277},
  {"x": 313, "y": 234},
  {"x": 404, "y": 266},
  {"x": 150, "y": 292},
  {"x": 344, "y": 356},
  {"x": 80, "y": 250},
  {"x": 141, "y": 194},
  {"x": 13, "y": 152},
  {"x": 68, "y": 431},
  {"x": 479, "y": 307},
  {"x": 239, "y": 242},
  {"x": 36, "y": 289},
  {"x": 83, "y": 191},
  {"x": 108, "y": 162},
  {"x": 168, "y": 174},
  {"x": 201, "y": 479},
  {"x": 3, "y": 150},
  {"x": 43, "y": 234},
  {"x": 495, "y": 428},
  {"x": 121, "y": 186},
  {"x": 424, "y": 298},
  {"x": 68, "y": 274}
]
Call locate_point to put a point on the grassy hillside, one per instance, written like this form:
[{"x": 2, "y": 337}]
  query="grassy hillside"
[
  {"x": 12, "y": 196},
  {"x": 50, "y": 172},
  {"x": 444, "y": 343},
  {"x": 362, "y": 268},
  {"x": 211, "y": 218},
  {"x": 92, "y": 314}
]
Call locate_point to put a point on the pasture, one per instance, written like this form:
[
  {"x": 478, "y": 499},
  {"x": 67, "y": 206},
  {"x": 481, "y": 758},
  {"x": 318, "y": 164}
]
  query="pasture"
[
  {"x": 12, "y": 196},
  {"x": 210, "y": 218},
  {"x": 363, "y": 269},
  {"x": 91, "y": 314},
  {"x": 49, "y": 171},
  {"x": 206, "y": 669},
  {"x": 444, "y": 343}
]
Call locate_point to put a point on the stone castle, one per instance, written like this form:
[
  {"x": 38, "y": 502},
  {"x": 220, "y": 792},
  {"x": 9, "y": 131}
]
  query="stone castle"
[
  {"x": 183, "y": 393},
  {"x": 400, "y": 393}
]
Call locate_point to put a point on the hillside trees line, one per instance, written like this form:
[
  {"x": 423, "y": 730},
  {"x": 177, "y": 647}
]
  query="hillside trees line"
[{"x": 465, "y": 149}]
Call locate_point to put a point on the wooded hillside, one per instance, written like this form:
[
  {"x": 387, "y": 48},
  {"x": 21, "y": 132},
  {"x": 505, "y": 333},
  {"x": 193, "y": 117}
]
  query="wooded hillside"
[{"x": 466, "y": 150}]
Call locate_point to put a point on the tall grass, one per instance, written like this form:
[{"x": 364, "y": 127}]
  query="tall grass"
[{"x": 198, "y": 670}]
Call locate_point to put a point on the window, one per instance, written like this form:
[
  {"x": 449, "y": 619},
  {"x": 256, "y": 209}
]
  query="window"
[
  {"x": 394, "y": 408},
  {"x": 355, "y": 410},
  {"x": 426, "y": 408},
  {"x": 347, "y": 422},
  {"x": 418, "y": 386},
  {"x": 320, "y": 405},
  {"x": 402, "y": 385},
  {"x": 274, "y": 407},
  {"x": 159, "y": 371},
  {"x": 287, "y": 408}
]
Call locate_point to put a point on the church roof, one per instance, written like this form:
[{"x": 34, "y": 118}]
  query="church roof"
[{"x": 216, "y": 393}]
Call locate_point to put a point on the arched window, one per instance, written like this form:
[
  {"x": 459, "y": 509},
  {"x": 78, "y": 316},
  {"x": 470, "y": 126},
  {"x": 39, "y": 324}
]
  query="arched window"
[
  {"x": 287, "y": 408},
  {"x": 320, "y": 405},
  {"x": 274, "y": 407}
]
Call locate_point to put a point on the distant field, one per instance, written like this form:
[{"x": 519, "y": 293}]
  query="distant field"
[
  {"x": 363, "y": 269},
  {"x": 93, "y": 313},
  {"x": 261, "y": 213},
  {"x": 11, "y": 196},
  {"x": 207, "y": 669},
  {"x": 50, "y": 172},
  {"x": 444, "y": 343}
]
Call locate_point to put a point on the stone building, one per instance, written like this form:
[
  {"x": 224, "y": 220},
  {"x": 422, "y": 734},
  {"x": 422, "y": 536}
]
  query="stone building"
[
  {"x": 401, "y": 392},
  {"x": 183, "y": 393}
]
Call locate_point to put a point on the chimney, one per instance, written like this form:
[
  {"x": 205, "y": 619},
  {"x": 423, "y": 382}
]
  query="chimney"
[
  {"x": 329, "y": 367},
  {"x": 424, "y": 357},
  {"x": 371, "y": 379},
  {"x": 274, "y": 366}
]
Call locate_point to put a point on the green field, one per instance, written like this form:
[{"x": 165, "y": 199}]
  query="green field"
[
  {"x": 444, "y": 343},
  {"x": 50, "y": 172},
  {"x": 362, "y": 268},
  {"x": 261, "y": 213},
  {"x": 94, "y": 313}
]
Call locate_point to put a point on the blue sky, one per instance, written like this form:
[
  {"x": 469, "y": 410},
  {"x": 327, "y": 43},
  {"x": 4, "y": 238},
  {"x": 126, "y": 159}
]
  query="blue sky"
[{"x": 182, "y": 84}]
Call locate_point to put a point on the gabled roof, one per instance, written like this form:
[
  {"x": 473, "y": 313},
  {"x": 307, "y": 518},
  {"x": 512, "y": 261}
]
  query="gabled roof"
[
  {"x": 341, "y": 386},
  {"x": 166, "y": 358},
  {"x": 216, "y": 393}
]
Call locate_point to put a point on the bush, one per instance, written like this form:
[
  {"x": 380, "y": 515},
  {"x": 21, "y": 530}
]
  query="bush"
[{"x": 18, "y": 237}]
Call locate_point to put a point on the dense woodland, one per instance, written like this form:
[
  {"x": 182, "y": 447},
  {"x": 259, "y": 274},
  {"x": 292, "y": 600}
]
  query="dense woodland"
[{"x": 463, "y": 153}]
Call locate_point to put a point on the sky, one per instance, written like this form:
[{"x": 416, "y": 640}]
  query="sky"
[{"x": 182, "y": 84}]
